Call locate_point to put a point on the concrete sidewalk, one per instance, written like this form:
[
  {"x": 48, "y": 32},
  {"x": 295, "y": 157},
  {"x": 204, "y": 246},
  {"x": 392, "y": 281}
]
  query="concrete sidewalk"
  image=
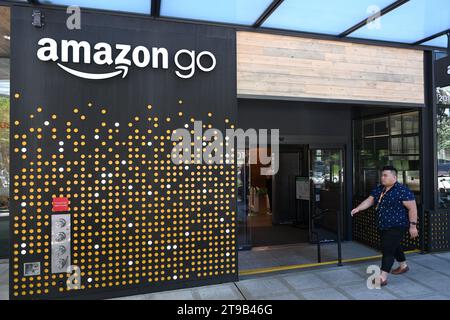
[{"x": 428, "y": 279}]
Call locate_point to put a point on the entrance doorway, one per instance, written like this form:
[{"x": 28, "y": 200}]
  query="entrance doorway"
[
  {"x": 304, "y": 197},
  {"x": 334, "y": 167},
  {"x": 288, "y": 213}
]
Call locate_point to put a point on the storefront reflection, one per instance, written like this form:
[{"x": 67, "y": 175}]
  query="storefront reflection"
[
  {"x": 4, "y": 129},
  {"x": 389, "y": 139},
  {"x": 443, "y": 150}
]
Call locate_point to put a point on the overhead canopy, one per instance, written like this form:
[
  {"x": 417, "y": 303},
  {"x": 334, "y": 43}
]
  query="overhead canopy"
[{"x": 411, "y": 22}]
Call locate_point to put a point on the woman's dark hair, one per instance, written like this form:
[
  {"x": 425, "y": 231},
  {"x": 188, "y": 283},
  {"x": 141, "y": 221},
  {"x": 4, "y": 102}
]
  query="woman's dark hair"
[{"x": 390, "y": 168}]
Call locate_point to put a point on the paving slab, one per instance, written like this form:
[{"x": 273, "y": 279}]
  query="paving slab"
[
  {"x": 285, "y": 296},
  {"x": 324, "y": 294},
  {"x": 431, "y": 297},
  {"x": 444, "y": 255},
  {"x": 303, "y": 281},
  {"x": 436, "y": 281},
  {"x": 361, "y": 292},
  {"x": 220, "y": 292},
  {"x": 340, "y": 276},
  {"x": 406, "y": 288},
  {"x": 182, "y": 294},
  {"x": 262, "y": 287},
  {"x": 431, "y": 262}
]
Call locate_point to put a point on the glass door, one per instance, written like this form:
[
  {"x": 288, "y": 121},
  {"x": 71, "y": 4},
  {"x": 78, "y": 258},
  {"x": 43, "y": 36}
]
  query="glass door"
[
  {"x": 327, "y": 194},
  {"x": 243, "y": 172}
]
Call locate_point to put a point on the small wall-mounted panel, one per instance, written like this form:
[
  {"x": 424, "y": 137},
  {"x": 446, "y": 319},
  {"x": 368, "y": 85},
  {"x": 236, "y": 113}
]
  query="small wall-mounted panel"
[{"x": 60, "y": 243}]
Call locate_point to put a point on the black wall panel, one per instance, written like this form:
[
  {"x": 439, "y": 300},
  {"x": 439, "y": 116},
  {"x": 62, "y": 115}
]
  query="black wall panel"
[
  {"x": 365, "y": 230},
  {"x": 439, "y": 231},
  {"x": 138, "y": 222}
]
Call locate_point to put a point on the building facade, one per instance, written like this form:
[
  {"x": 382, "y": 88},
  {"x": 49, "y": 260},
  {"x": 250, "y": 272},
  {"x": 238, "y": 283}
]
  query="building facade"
[{"x": 98, "y": 206}]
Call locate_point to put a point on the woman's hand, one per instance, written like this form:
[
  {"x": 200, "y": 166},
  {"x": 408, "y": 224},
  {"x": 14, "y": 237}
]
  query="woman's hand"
[
  {"x": 355, "y": 211},
  {"x": 413, "y": 232}
]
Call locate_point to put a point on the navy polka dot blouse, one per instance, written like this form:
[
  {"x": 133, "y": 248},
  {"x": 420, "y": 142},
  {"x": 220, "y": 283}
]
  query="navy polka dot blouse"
[{"x": 391, "y": 211}]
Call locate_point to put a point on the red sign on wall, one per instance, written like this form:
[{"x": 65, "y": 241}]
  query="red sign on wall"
[{"x": 60, "y": 204}]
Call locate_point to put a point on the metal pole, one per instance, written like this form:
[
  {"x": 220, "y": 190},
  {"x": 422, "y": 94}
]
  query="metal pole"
[
  {"x": 448, "y": 42},
  {"x": 422, "y": 229},
  {"x": 339, "y": 227},
  {"x": 319, "y": 255}
]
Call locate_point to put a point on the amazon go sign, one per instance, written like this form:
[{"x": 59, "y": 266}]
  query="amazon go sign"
[{"x": 120, "y": 57}]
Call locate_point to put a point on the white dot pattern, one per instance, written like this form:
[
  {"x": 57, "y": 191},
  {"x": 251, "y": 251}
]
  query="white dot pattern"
[{"x": 391, "y": 211}]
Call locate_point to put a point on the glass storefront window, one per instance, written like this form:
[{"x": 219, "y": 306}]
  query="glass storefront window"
[
  {"x": 396, "y": 124},
  {"x": 396, "y": 145},
  {"x": 410, "y": 123},
  {"x": 388, "y": 140},
  {"x": 381, "y": 126},
  {"x": 442, "y": 82},
  {"x": 4, "y": 129},
  {"x": 443, "y": 156},
  {"x": 4, "y": 148},
  {"x": 411, "y": 145}
]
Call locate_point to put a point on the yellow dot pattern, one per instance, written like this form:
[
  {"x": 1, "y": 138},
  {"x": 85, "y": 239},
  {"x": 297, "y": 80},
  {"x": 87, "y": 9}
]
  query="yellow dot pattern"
[{"x": 137, "y": 218}]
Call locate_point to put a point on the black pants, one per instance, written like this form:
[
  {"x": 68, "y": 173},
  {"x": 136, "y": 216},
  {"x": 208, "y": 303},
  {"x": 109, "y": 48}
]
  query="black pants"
[{"x": 391, "y": 247}]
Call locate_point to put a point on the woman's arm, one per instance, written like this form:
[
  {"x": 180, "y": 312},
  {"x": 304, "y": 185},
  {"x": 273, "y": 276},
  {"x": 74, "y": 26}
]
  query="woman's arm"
[
  {"x": 363, "y": 205},
  {"x": 412, "y": 213}
]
